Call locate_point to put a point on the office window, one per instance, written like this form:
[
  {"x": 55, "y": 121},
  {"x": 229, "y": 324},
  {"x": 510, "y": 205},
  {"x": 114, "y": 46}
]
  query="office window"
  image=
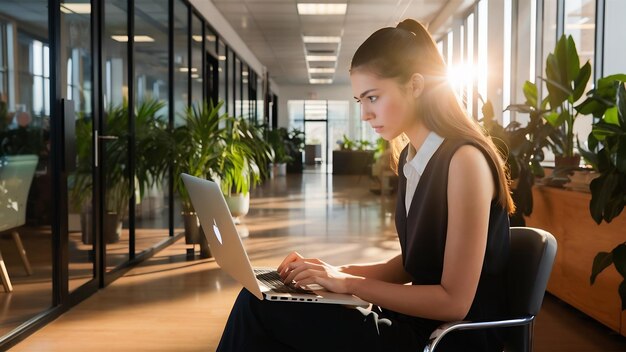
[
  {"x": 580, "y": 24},
  {"x": 483, "y": 74},
  {"x": 469, "y": 64},
  {"x": 614, "y": 44},
  {"x": 549, "y": 36},
  {"x": 506, "y": 64}
]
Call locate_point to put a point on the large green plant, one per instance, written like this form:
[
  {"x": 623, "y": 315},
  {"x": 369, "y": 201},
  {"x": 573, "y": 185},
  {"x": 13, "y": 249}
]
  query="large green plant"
[
  {"x": 197, "y": 144},
  {"x": 522, "y": 147},
  {"x": 151, "y": 144},
  {"x": 607, "y": 143},
  {"x": 243, "y": 160},
  {"x": 565, "y": 81},
  {"x": 278, "y": 139}
]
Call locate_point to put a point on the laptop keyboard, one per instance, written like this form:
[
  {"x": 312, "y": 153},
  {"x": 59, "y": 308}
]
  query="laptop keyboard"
[{"x": 271, "y": 279}]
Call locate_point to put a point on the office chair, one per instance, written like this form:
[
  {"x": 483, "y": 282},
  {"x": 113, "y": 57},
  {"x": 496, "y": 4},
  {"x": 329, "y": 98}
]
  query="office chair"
[
  {"x": 16, "y": 175},
  {"x": 530, "y": 263}
]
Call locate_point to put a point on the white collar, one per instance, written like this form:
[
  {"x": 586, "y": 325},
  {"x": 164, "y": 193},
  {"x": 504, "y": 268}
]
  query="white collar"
[{"x": 419, "y": 159}]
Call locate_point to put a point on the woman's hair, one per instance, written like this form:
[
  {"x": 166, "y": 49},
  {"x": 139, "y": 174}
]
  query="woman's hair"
[{"x": 408, "y": 48}]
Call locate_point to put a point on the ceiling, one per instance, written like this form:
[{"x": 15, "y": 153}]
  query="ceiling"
[{"x": 273, "y": 30}]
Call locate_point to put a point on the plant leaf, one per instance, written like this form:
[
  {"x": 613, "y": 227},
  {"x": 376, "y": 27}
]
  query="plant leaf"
[
  {"x": 572, "y": 62},
  {"x": 580, "y": 83},
  {"x": 600, "y": 262},
  {"x": 530, "y": 92},
  {"x": 619, "y": 259},
  {"x": 552, "y": 119},
  {"x": 601, "y": 190},
  {"x": 610, "y": 116},
  {"x": 621, "y": 104}
]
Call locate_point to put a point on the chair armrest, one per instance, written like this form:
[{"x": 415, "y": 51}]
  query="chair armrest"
[{"x": 446, "y": 328}]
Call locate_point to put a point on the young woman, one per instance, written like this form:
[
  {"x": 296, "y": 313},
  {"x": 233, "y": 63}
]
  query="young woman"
[{"x": 451, "y": 218}]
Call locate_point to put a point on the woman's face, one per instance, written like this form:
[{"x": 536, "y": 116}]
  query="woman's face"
[{"x": 389, "y": 107}]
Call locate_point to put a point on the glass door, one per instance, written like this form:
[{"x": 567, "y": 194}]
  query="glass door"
[
  {"x": 113, "y": 136},
  {"x": 75, "y": 60}
]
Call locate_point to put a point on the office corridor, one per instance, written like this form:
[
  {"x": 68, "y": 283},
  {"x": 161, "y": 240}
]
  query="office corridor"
[{"x": 172, "y": 304}]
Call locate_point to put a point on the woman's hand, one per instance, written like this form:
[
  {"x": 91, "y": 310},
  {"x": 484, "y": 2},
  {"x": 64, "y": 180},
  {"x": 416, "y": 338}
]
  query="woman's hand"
[{"x": 308, "y": 271}]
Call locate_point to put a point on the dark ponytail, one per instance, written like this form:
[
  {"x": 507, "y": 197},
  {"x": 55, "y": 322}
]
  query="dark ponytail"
[{"x": 408, "y": 48}]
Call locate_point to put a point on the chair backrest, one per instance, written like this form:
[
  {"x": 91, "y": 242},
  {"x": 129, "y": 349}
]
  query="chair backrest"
[
  {"x": 16, "y": 175},
  {"x": 530, "y": 264}
]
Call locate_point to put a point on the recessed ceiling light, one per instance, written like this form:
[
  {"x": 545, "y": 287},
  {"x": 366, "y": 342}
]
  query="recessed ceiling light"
[
  {"x": 321, "y": 58},
  {"x": 221, "y": 58},
  {"x": 76, "y": 8},
  {"x": 321, "y": 70},
  {"x": 320, "y": 81},
  {"x": 186, "y": 69},
  {"x": 244, "y": 73},
  {"x": 314, "y": 39},
  {"x": 322, "y": 9},
  {"x": 138, "y": 38},
  {"x": 195, "y": 75}
]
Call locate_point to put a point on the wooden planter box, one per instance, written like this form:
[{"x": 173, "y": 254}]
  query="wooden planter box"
[
  {"x": 566, "y": 215},
  {"x": 352, "y": 162}
]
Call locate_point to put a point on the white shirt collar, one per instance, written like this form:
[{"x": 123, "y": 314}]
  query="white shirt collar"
[{"x": 420, "y": 158}]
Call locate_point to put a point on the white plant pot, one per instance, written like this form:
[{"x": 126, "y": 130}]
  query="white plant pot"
[{"x": 239, "y": 205}]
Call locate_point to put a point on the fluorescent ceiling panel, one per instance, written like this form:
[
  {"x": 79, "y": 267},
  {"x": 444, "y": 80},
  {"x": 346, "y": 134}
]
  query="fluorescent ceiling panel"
[
  {"x": 322, "y": 9},
  {"x": 313, "y": 39}
]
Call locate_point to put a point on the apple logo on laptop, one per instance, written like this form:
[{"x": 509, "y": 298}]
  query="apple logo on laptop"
[{"x": 217, "y": 232}]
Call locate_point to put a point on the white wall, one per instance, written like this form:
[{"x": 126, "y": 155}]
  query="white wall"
[{"x": 310, "y": 91}]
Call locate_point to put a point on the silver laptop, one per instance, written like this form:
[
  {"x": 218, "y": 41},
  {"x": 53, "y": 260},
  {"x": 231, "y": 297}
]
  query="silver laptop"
[{"x": 226, "y": 247}]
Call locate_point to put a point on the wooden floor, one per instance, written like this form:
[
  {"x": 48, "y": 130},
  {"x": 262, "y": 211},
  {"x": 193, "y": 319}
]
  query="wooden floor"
[{"x": 170, "y": 303}]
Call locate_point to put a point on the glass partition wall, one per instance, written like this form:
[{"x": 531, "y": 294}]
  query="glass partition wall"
[
  {"x": 25, "y": 173},
  {"x": 75, "y": 81}
]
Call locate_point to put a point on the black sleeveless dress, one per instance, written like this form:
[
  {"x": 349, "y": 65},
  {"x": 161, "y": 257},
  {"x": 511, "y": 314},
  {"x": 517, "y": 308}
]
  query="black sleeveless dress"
[{"x": 422, "y": 237}]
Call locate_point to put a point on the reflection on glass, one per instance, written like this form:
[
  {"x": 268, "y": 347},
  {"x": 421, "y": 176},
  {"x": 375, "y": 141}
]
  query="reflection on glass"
[
  {"x": 151, "y": 119},
  {"x": 580, "y": 24},
  {"x": 25, "y": 175},
  {"x": 245, "y": 103},
  {"x": 230, "y": 84},
  {"x": 76, "y": 67},
  {"x": 114, "y": 158},
  {"x": 222, "y": 80},
  {"x": 196, "y": 60},
  {"x": 237, "y": 95},
  {"x": 182, "y": 68}
]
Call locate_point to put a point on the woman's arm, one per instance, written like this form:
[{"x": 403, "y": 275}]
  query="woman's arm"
[
  {"x": 470, "y": 191},
  {"x": 388, "y": 271},
  {"x": 391, "y": 270}
]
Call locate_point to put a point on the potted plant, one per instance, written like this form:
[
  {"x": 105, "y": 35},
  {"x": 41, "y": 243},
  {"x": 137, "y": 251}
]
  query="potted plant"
[
  {"x": 195, "y": 150},
  {"x": 295, "y": 149},
  {"x": 241, "y": 164},
  {"x": 278, "y": 139},
  {"x": 151, "y": 144},
  {"x": 565, "y": 81},
  {"x": 607, "y": 154},
  {"x": 522, "y": 147}
]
